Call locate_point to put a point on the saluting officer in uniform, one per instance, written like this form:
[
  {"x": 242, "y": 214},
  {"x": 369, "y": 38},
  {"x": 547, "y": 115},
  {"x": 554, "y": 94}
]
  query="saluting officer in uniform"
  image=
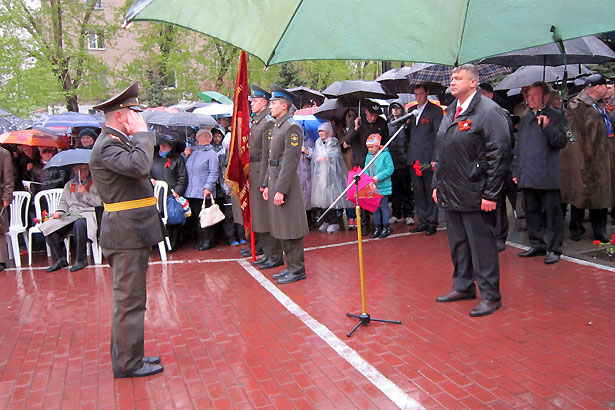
[
  {"x": 260, "y": 132},
  {"x": 282, "y": 189},
  {"x": 120, "y": 164}
]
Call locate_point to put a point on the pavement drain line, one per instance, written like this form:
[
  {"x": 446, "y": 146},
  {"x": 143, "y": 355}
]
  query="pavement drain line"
[{"x": 387, "y": 387}]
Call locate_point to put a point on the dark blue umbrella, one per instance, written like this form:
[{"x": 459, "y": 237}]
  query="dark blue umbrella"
[
  {"x": 69, "y": 157},
  {"x": 72, "y": 119},
  {"x": 310, "y": 125}
]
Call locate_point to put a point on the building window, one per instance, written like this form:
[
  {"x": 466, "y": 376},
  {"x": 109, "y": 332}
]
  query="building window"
[
  {"x": 96, "y": 41},
  {"x": 98, "y": 4}
]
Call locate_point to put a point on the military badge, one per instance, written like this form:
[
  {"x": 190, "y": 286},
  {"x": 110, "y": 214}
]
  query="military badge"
[{"x": 294, "y": 140}]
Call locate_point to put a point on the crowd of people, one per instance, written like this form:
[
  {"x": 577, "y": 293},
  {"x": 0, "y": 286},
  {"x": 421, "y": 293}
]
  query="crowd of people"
[{"x": 193, "y": 163}]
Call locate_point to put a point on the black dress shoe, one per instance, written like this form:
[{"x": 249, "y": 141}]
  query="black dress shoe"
[
  {"x": 151, "y": 359},
  {"x": 292, "y": 277},
  {"x": 552, "y": 257},
  {"x": 431, "y": 231},
  {"x": 147, "y": 369},
  {"x": 485, "y": 307},
  {"x": 501, "y": 245},
  {"x": 602, "y": 237},
  {"x": 575, "y": 237},
  {"x": 204, "y": 247},
  {"x": 420, "y": 228},
  {"x": 532, "y": 252},
  {"x": 2, "y": 266},
  {"x": 281, "y": 274},
  {"x": 454, "y": 296},
  {"x": 271, "y": 265},
  {"x": 246, "y": 252},
  {"x": 78, "y": 266},
  {"x": 260, "y": 261},
  {"x": 60, "y": 263}
]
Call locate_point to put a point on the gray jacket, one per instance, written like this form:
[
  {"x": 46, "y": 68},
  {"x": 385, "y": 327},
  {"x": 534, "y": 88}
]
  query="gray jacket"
[{"x": 536, "y": 163}]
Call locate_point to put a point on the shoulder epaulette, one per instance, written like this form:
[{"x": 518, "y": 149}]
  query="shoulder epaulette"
[
  {"x": 269, "y": 117},
  {"x": 292, "y": 121}
]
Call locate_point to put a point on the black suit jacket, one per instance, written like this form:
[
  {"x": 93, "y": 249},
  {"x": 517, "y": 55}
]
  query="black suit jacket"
[{"x": 423, "y": 135}]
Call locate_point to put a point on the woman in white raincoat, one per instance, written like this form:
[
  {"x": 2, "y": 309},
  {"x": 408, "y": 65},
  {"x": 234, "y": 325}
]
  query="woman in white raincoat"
[{"x": 329, "y": 175}]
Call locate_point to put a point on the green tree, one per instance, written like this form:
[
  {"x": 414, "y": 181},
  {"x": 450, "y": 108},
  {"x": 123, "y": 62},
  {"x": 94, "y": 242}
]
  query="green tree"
[
  {"x": 288, "y": 76},
  {"x": 52, "y": 35}
]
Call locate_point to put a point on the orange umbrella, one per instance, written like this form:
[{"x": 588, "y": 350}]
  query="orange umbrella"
[{"x": 34, "y": 138}]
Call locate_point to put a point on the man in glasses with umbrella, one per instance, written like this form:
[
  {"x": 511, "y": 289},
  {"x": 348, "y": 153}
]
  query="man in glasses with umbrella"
[{"x": 120, "y": 163}]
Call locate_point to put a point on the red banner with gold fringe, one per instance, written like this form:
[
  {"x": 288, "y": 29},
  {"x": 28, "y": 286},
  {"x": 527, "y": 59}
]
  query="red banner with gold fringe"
[{"x": 238, "y": 169}]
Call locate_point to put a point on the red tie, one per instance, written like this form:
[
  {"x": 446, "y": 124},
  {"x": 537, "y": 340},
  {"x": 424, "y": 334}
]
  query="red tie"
[{"x": 459, "y": 109}]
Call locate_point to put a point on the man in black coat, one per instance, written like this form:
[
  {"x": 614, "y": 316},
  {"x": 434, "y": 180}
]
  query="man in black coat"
[
  {"x": 536, "y": 171},
  {"x": 364, "y": 126},
  {"x": 472, "y": 157},
  {"x": 422, "y": 131}
]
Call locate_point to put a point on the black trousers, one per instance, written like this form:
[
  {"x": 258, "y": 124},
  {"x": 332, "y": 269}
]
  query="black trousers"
[
  {"x": 471, "y": 236},
  {"x": 293, "y": 249},
  {"x": 426, "y": 208},
  {"x": 597, "y": 218},
  {"x": 128, "y": 272},
  {"x": 543, "y": 211},
  {"x": 204, "y": 236},
  {"x": 79, "y": 229},
  {"x": 402, "y": 199}
]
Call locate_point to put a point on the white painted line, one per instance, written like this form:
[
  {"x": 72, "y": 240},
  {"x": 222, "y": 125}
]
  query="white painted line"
[{"x": 390, "y": 389}]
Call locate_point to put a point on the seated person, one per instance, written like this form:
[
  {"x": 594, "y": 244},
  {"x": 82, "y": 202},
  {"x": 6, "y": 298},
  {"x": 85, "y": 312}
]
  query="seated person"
[{"x": 75, "y": 214}]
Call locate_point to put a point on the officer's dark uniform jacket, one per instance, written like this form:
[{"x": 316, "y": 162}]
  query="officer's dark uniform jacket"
[
  {"x": 471, "y": 162},
  {"x": 120, "y": 169},
  {"x": 287, "y": 221},
  {"x": 260, "y": 131}
]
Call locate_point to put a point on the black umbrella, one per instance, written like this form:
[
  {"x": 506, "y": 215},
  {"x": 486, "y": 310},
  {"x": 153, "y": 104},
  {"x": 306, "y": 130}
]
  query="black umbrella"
[
  {"x": 353, "y": 91},
  {"x": 583, "y": 50},
  {"x": 528, "y": 75},
  {"x": 305, "y": 95},
  {"x": 395, "y": 80},
  {"x": 331, "y": 109}
]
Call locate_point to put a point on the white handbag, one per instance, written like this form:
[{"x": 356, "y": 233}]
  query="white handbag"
[{"x": 211, "y": 215}]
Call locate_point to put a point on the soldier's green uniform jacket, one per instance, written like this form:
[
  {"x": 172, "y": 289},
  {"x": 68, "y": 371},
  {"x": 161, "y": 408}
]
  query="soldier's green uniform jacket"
[
  {"x": 287, "y": 221},
  {"x": 120, "y": 169},
  {"x": 260, "y": 131}
]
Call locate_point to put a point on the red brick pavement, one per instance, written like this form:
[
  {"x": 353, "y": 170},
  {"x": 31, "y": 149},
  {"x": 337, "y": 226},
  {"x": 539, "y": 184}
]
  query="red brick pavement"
[{"x": 226, "y": 342}]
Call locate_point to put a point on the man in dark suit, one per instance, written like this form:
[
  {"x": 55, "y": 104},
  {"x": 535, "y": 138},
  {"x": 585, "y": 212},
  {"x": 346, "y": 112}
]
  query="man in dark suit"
[
  {"x": 472, "y": 157},
  {"x": 422, "y": 131},
  {"x": 282, "y": 188},
  {"x": 260, "y": 131},
  {"x": 120, "y": 165},
  {"x": 536, "y": 172}
]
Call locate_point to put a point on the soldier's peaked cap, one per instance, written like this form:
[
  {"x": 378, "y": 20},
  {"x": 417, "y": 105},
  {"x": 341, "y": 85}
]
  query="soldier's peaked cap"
[
  {"x": 128, "y": 98},
  {"x": 278, "y": 92},
  {"x": 258, "y": 92}
]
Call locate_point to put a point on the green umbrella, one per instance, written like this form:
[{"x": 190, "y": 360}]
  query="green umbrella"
[
  {"x": 211, "y": 96},
  {"x": 447, "y": 32}
]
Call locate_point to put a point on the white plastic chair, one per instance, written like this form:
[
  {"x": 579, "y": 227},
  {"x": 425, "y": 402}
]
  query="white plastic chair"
[
  {"x": 161, "y": 191},
  {"x": 52, "y": 196},
  {"x": 19, "y": 217}
]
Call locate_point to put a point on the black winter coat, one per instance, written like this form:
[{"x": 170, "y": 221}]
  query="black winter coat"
[
  {"x": 536, "y": 163},
  {"x": 171, "y": 170},
  {"x": 472, "y": 155},
  {"x": 357, "y": 139},
  {"x": 399, "y": 146}
]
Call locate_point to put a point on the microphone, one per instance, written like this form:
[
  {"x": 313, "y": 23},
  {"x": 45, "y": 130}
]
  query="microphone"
[{"x": 405, "y": 117}]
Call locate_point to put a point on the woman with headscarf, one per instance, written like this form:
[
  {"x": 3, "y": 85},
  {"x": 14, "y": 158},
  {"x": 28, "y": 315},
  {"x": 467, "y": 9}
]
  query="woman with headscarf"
[
  {"x": 202, "y": 167},
  {"x": 328, "y": 177}
]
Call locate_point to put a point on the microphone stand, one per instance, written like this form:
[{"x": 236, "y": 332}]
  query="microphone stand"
[{"x": 364, "y": 317}]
